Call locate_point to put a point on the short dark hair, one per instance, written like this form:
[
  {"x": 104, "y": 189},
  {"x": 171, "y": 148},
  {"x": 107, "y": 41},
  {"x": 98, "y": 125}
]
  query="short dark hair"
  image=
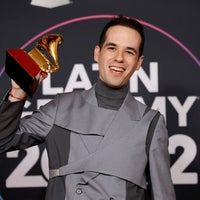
[{"x": 127, "y": 22}]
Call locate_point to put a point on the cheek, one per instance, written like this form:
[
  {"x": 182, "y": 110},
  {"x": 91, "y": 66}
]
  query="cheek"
[
  {"x": 132, "y": 70},
  {"x": 102, "y": 62},
  {"x": 102, "y": 68},
  {"x": 134, "y": 63}
]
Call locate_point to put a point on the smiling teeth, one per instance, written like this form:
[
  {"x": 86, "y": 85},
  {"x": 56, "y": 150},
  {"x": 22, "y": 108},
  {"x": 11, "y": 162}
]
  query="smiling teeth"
[{"x": 119, "y": 69}]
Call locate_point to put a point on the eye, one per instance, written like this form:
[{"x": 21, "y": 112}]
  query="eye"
[
  {"x": 111, "y": 48},
  {"x": 130, "y": 52}
]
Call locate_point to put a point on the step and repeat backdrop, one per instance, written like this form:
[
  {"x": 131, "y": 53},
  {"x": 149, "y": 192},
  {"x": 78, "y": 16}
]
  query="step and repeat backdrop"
[{"x": 168, "y": 81}]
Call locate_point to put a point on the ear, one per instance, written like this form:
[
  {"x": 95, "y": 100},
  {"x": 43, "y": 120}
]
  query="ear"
[
  {"x": 96, "y": 53},
  {"x": 139, "y": 63}
]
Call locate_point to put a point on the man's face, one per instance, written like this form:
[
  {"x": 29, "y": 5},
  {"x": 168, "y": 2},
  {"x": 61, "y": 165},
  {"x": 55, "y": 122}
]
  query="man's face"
[{"x": 119, "y": 56}]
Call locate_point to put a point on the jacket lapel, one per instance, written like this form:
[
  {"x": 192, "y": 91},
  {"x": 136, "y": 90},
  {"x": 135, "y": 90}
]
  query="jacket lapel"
[
  {"x": 84, "y": 116},
  {"x": 124, "y": 121}
]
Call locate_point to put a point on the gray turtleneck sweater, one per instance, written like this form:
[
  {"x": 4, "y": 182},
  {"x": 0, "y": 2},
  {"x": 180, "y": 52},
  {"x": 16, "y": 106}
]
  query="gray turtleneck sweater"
[{"x": 110, "y": 98}]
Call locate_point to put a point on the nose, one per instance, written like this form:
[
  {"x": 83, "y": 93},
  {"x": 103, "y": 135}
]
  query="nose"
[{"x": 119, "y": 56}]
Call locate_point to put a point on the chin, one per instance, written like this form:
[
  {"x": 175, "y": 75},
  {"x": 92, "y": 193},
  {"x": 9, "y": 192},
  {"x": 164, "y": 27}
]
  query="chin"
[{"x": 116, "y": 86}]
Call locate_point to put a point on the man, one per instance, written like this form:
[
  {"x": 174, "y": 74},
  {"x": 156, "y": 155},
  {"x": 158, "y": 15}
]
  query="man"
[{"x": 95, "y": 139}]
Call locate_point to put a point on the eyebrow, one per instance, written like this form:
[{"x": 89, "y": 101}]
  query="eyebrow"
[{"x": 113, "y": 44}]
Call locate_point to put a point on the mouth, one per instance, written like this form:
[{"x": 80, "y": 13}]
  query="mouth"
[{"x": 117, "y": 69}]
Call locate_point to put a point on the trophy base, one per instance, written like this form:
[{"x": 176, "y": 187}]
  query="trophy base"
[{"x": 23, "y": 70}]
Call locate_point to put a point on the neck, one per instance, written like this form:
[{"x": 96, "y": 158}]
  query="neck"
[{"x": 108, "y": 97}]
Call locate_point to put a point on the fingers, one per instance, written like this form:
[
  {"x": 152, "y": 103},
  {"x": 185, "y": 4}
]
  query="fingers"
[
  {"x": 43, "y": 75},
  {"x": 16, "y": 93},
  {"x": 14, "y": 84}
]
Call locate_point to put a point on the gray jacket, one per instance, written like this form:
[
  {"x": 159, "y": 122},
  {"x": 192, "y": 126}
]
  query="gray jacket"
[{"x": 94, "y": 153}]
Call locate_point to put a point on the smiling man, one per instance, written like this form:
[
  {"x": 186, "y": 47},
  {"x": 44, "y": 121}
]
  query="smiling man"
[
  {"x": 96, "y": 139},
  {"x": 119, "y": 56}
]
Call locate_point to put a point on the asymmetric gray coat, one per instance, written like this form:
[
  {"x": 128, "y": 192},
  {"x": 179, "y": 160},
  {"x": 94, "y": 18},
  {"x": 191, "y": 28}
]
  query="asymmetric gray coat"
[{"x": 94, "y": 153}]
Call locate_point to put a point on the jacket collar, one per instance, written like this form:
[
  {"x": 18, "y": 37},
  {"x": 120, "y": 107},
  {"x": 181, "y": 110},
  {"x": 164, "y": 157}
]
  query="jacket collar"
[{"x": 130, "y": 104}]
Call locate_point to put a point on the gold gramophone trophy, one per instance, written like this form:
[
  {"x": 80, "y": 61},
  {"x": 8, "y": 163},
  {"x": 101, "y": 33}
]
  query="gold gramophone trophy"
[{"x": 25, "y": 68}]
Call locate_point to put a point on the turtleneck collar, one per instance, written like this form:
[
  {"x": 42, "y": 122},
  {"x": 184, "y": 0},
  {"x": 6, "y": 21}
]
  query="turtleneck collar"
[{"x": 110, "y": 98}]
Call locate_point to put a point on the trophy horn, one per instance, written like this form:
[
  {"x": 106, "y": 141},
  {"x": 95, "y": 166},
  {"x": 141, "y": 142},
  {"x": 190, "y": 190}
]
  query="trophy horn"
[{"x": 45, "y": 53}]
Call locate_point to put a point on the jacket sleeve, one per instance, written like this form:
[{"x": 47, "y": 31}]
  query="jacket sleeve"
[
  {"x": 19, "y": 133},
  {"x": 159, "y": 162}
]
